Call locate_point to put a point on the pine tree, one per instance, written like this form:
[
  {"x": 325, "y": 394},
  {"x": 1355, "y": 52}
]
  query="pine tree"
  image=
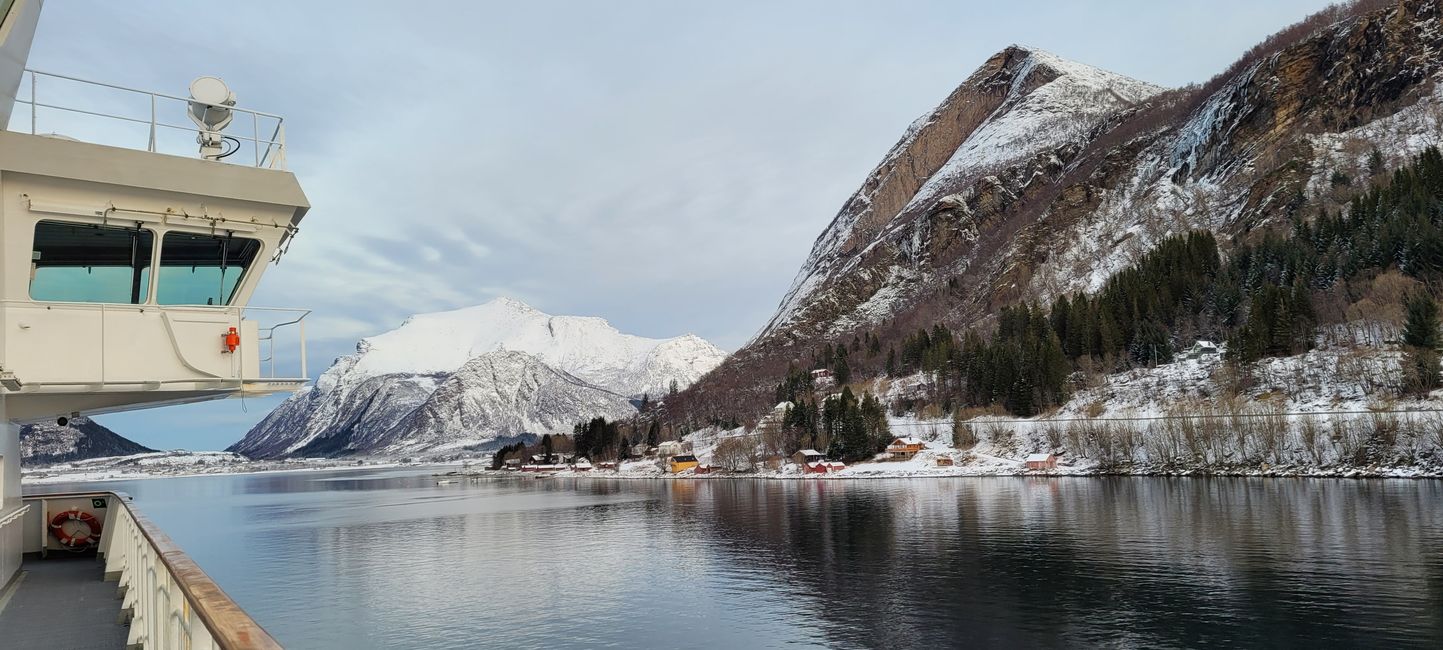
[
  {"x": 874, "y": 418},
  {"x": 840, "y": 369},
  {"x": 854, "y": 427},
  {"x": 1421, "y": 327},
  {"x": 1422, "y": 338}
]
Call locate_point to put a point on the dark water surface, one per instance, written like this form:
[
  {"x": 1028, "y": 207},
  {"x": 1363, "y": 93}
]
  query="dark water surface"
[{"x": 386, "y": 558}]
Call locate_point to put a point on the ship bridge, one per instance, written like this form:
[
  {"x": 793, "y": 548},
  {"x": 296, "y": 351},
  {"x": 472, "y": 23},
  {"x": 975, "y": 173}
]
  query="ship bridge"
[
  {"x": 134, "y": 228},
  {"x": 128, "y": 254}
]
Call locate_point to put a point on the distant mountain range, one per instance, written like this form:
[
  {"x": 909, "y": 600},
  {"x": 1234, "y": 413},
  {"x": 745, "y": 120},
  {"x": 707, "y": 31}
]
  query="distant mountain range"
[
  {"x": 81, "y": 439},
  {"x": 472, "y": 377}
]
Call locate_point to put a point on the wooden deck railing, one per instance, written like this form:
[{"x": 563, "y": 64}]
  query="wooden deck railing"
[{"x": 171, "y": 602}]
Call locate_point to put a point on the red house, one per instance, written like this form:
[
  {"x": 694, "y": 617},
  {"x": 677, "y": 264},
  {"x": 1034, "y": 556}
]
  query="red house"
[
  {"x": 823, "y": 467},
  {"x": 1041, "y": 461}
]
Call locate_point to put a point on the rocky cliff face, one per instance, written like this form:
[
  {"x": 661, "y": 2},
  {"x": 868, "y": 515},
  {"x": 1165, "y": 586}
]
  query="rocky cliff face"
[
  {"x": 1039, "y": 176},
  {"x": 1022, "y": 115},
  {"x": 82, "y": 438},
  {"x": 467, "y": 378}
]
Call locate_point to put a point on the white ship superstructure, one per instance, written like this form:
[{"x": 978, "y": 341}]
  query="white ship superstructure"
[{"x": 127, "y": 258}]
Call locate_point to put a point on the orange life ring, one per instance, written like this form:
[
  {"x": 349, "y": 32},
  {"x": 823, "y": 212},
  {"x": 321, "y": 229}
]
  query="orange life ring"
[{"x": 72, "y": 539}]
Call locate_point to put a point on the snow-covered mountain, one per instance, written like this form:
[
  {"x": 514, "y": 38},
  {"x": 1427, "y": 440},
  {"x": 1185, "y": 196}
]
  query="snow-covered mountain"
[
  {"x": 81, "y": 439},
  {"x": 1022, "y": 107},
  {"x": 504, "y": 391},
  {"x": 472, "y": 376},
  {"x": 1038, "y": 177}
]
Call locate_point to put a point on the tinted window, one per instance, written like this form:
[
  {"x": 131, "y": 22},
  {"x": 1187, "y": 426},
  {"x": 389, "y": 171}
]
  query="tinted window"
[
  {"x": 202, "y": 269},
  {"x": 86, "y": 263}
]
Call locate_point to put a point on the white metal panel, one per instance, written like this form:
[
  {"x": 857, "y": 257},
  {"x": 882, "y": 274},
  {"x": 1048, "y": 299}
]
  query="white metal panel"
[
  {"x": 249, "y": 352},
  {"x": 44, "y": 343}
]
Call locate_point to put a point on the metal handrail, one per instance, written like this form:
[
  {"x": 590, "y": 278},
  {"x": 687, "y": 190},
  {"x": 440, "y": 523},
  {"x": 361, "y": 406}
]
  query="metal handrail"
[
  {"x": 14, "y": 515},
  {"x": 274, "y": 150},
  {"x": 270, "y": 339}
]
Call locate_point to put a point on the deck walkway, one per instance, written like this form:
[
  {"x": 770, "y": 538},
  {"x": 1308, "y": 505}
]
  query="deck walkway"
[{"x": 61, "y": 602}]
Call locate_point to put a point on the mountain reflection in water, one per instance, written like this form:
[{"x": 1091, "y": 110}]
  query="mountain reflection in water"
[{"x": 389, "y": 559}]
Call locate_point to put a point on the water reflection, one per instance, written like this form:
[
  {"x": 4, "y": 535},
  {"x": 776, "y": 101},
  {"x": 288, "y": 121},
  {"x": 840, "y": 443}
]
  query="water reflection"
[{"x": 389, "y": 559}]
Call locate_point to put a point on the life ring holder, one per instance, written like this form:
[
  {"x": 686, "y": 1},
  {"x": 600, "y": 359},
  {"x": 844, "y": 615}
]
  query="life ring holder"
[{"x": 74, "y": 540}]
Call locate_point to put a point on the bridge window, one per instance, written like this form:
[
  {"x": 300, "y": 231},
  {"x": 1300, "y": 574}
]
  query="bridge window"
[
  {"x": 74, "y": 262},
  {"x": 202, "y": 269}
]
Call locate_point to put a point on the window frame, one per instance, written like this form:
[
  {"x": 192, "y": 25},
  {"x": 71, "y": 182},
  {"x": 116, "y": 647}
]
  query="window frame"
[
  {"x": 147, "y": 293},
  {"x": 246, "y": 272},
  {"x": 158, "y": 232}
]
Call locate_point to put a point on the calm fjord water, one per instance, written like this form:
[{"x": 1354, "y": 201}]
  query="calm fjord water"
[{"x": 375, "y": 559}]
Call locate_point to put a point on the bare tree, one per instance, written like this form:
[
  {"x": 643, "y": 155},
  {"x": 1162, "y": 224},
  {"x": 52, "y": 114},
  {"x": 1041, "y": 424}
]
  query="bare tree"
[{"x": 736, "y": 454}]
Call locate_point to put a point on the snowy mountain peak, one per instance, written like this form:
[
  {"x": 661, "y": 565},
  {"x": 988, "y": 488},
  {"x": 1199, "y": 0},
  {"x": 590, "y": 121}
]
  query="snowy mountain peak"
[
  {"x": 474, "y": 374},
  {"x": 586, "y": 346}
]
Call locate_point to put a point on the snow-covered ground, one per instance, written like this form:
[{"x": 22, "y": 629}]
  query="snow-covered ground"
[
  {"x": 1329, "y": 412},
  {"x": 174, "y": 463}
]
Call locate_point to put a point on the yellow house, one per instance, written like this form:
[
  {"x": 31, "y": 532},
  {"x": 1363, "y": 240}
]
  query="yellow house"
[{"x": 681, "y": 463}]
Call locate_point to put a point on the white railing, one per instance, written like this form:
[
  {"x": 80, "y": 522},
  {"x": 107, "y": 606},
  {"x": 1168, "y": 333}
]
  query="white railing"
[
  {"x": 268, "y": 336},
  {"x": 266, "y": 142},
  {"x": 169, "y": 601}
]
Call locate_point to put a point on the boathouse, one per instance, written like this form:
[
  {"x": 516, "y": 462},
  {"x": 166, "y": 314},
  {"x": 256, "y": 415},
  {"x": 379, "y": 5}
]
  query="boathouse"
[
  {"x": 806, "y": 457},
  {"x": 1041, "y": 461},
  {"x": 681, "y": 463},
  {"x": 823, "y": 467}
]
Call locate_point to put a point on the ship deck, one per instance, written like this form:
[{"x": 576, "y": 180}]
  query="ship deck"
[{"x": 61, "y": 602}]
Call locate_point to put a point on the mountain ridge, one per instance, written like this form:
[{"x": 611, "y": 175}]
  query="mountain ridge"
[
  {"x": 80, "y": 439},
  {"x": 916, "y": 168},
  {"x": 468, "y": 377},
  {"x": 1235, "y": 156}
]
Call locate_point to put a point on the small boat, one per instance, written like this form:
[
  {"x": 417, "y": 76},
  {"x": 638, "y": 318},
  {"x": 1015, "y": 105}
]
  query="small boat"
[{"x": 446, "y": 481}]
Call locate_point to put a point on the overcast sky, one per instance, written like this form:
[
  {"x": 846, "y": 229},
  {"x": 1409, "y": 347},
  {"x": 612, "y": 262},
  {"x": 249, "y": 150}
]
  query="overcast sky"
[{"x": 665, "y": 165}]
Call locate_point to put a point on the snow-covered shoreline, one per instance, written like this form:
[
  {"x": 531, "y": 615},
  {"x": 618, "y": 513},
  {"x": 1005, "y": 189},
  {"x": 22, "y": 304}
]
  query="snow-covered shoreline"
[
  {"x": 179, "y": 464},
  {"x": 993, "y": 466}
]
